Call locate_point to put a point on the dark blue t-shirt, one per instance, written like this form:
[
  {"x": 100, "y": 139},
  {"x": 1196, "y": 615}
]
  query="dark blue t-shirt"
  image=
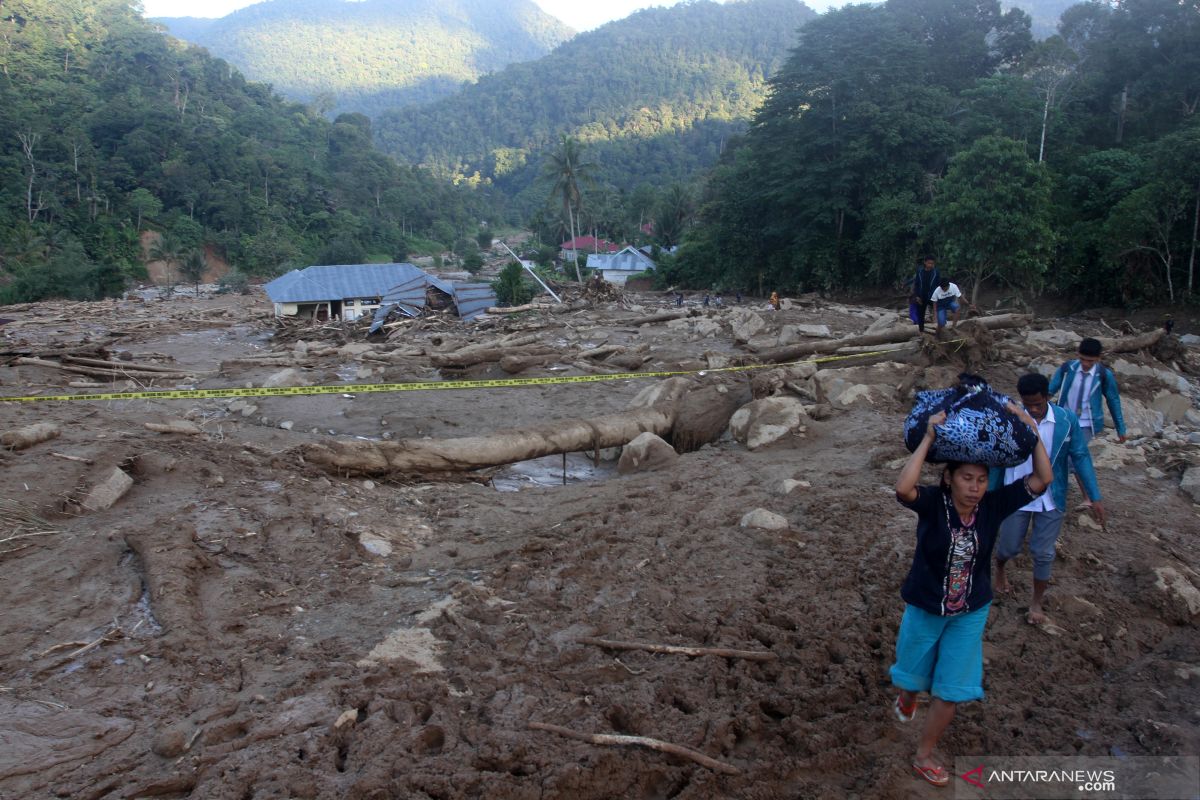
[{"x": 951, "y": 571}]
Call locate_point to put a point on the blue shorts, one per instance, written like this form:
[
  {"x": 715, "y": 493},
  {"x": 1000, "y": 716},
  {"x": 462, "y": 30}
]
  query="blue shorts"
[
  {"x": 943, "y": 307},
  {"x": 941, "y": 655}
]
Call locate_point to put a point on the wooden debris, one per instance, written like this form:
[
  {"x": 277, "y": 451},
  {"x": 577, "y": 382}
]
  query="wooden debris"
[
  {"x": 679, "y": 650},
  {"x": 640, "y": 741},
  {"x": 180, "y": 426},
  {"x": 66, "y": 457},
  {"x": 23, "y": 438}
]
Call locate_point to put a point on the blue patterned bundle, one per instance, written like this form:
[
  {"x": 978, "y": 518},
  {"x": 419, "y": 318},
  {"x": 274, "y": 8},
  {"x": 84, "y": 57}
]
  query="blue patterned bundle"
[{"x": 979, "y": 429}]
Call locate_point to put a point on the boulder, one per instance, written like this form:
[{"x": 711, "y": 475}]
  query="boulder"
[
  {"x": 1171, "y": 379},
  {"x": 285, "y": 377},
  {"x": 1190, "y": 339},
  {"x": 1053, "y": 337},
  {"x": 789, "y": 334},
  {"x": 766, "y": 421},
  {"x": 1192, "y": 417},
  {"x": 704, "y": 328},
  {"x": 355, "y": 349},
  {"x": 790, "y": 485},
  {"x": 647, "y": 452},
  {"x": 1172, "y": 406},
  {"x": 764, "y": 520},
  {"x": 1139, "y": 420},
  {"x": 667, "y": 391},
  {"x": 886, "y": 323},
  {"x": 1190, "y": 485},
  {"x": 848, "y": 386},
  {"x": 746, "y": 324}
]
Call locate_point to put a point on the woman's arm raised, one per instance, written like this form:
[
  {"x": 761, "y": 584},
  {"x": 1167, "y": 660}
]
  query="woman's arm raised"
[{"x": 906, "y": 484}]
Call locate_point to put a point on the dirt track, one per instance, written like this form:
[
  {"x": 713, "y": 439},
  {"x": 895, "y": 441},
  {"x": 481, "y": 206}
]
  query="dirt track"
[{"x": 242, "y": 614}]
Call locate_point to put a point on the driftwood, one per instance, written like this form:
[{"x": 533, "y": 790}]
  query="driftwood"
[
  {"x": 180, "y": 426},
  {"x": 467, "y": 359},
  {"x": 422, "y": 456},
  {"x": 678, "y": 650},
  {"x": 898, "y": 334},
  {"x": 97, "y": 372},
  {"x": 22, "y": 438},
  {"x": 604, "y": 351},
  {"x": 1131, "y": 344},
  {"x": 664, "y": 316},
  {"x": 519, "y": 363},
  {"x": 119, "y": 365},
  {"x": 640, "y": 741}
]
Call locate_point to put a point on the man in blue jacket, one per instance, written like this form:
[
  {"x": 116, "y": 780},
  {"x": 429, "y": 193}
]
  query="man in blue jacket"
[
  {"x": 923, "y": 285},
  {"x": 1042, "y": 518},
  {"x": 1080, "y": 385}
]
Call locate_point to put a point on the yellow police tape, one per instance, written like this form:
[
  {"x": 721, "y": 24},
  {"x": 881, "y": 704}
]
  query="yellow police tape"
[{"x": 362, "y": 388}]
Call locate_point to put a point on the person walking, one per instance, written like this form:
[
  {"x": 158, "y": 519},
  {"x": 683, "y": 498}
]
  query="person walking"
[
  {"x": 923, "y": 285},
  {"x": 1041, "y": 520},
  {"x": 1079, "y": 385},
  {"x": 774, "y": 301},
  {"x": 945, "y": 299},
  {"x": 948, "y": 591}
]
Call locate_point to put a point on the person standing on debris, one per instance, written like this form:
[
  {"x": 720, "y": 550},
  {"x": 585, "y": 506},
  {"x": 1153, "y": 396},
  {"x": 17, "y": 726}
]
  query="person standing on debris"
[
  {"x": 1079, "y": 385},
  {"x": 679, "y": 299},
  {"x": 923, "y": 285},
  {"x": 706, "y": 299},
  {"x": 774, "y": 301},
  {"x": 948, "y": 591},
  {"x": 1061, "y": 436},
  {"x": 945, "y": 299}
]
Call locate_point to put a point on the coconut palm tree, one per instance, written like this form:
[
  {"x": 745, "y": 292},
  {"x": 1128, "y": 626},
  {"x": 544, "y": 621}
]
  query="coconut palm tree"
[
  {"x": 567, "y": 168},
  {"x": 169, "y": 250}
]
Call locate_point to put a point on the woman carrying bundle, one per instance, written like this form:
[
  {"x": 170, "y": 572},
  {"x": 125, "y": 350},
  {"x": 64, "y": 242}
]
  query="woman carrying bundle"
[{"x": 948, "y": 590}]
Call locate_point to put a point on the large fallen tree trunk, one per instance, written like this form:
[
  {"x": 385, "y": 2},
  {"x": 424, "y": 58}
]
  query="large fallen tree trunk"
[
  {"x": 1131, "y": 344},
  {"x": 898, "y": 334},
  {"x": 474, "y": 357},
  {"x": 665, "y": 316},
  {"x": 424, "y": 456}
]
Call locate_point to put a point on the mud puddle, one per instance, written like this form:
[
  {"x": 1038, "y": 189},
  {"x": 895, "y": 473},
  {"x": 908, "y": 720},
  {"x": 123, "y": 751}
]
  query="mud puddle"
[{"x": 549, "y": 471}]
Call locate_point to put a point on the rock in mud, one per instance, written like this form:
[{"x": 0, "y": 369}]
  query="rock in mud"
[
  {"x": 1190, "y": 485},
  {"x": 1053, "y": 337},
  {"x": 108, "y": 491},
  {"x": 746, "y": 324},
  {"x": 182, "y": 427},
  {"x": 646, "y": 452},
  {"x": 766, "y": 421},
  {"x": 764, "y": 520},
  {"x": 173, "y": 742},
  {"x": 1172, "y": 406},
  {"x": 285, "y": 377}
]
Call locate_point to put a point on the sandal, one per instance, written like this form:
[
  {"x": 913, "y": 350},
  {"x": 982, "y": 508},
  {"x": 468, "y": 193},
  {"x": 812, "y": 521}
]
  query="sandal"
[
  {"x": 935, "y": 775},
  {"x": 904, "y": 714}
]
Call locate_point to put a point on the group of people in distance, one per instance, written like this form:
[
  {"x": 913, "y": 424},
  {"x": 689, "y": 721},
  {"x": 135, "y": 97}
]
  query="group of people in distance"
[
  {"x": 976, "y": 513},
  {"x": 931, "y": 289}
]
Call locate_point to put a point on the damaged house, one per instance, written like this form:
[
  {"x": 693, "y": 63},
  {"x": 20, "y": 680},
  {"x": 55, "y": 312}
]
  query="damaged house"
[{"x": 351, "y": 291}]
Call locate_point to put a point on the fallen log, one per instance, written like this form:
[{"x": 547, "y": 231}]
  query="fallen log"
[
  {"x": 603, "y": 351},
  {"x": 26, "y": 437},
  {"x": 474, "y": 357},
  {"x": 898, "y": 334},
  {"x": 640, "y": 741},
  {"x": 181, "y": 426},
  {"x": 126, "y": 365},
  {"x": 423, "y": 456},
  {"x": 96, "y": 372},
  {"x": 665, "y": 316},
  {"x": 1131, "y": 344},
  {"x": 519, "y": 363}
]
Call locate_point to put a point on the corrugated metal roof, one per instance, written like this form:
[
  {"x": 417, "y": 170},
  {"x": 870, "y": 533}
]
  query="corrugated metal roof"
[
  {"x": 628, "y": 260},
  {"x": 339, "y": 282},
  {"x": 473, "y": 299}
]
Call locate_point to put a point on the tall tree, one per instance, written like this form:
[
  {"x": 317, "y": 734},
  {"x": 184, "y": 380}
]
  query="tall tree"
[
  {"x": 567, "y": 168},
  {"x": 991, "y": 214}
]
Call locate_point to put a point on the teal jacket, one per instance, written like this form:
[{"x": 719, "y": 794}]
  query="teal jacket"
[
  {"x": 1105, "y": 384},
  {"x": 1068, "y": 440}
]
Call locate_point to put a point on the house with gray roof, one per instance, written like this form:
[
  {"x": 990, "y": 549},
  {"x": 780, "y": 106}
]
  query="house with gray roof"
[
  {"x": 350, "y": 291},
  {"x": 617, "y": 267}
]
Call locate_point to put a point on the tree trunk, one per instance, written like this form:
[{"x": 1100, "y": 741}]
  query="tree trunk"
[
  {"x": 900, "y": 333},
  {"x": 425, "y": 456},
  {"x": 574, "y": 244},
  {"x": 1122, "y": 108},
  {"x": 1195, "y": 229},
  {"x": 1131, "y": 344},
  {"x": 1045, "y": 122}
]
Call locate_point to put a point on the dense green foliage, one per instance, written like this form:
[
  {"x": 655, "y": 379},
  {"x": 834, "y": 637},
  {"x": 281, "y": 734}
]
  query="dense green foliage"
[
  {"x": 369, "y": 55},
  {"x": 510, "y": 287},
  {"x": 108, "y": 127},
  {"x": 940, "y": 126},
  {"x": 653, "y": 97}
]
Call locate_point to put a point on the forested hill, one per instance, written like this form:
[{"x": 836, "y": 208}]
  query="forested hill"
[
  {"x": 368, "y": 55},
  {"x": 652, "y": 96},
  {"x": 110, "y": 128}
]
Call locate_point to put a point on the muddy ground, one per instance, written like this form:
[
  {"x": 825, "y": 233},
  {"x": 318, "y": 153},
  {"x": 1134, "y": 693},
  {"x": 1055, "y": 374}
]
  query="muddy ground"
[{"x": 240, "y": 624}]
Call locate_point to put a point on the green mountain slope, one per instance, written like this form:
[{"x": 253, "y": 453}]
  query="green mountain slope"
[
  {"x": 367, "y": 55},
  {"x": 111, "y": 128},
  {"x": 652, "y": 96}
]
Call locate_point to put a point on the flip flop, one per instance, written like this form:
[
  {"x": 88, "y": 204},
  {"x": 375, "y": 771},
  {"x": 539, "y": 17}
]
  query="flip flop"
[
  {"x": 935, "y": 775},
  {"x": 904, "y": 714}
]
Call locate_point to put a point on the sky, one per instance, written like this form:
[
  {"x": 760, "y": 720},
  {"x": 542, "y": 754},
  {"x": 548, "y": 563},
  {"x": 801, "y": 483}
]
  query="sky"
[{"x": 582, "y": 15}]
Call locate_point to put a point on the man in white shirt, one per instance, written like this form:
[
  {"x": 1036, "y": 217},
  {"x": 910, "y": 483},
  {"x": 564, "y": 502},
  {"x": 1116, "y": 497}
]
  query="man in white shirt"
[
  {"x": 945, "y": 299},
  {"x": 1042, "y": 518}
]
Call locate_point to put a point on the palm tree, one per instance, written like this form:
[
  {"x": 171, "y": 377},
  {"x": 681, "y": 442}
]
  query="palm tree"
[
  {"x": 567, "y": 168},
  {"x": 194, "y": 265},
  {"x": 168, "y": 250}
]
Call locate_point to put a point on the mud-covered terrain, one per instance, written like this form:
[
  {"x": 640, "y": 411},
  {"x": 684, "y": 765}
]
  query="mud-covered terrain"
[{"x": 239, "y": 622}]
